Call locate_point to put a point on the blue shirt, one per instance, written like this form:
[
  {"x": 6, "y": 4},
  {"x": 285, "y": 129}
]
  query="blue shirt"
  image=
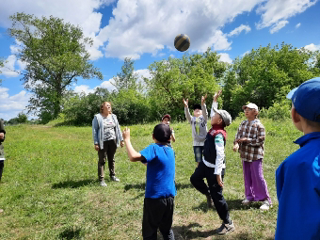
[
  {"x": 160, "y": 161},
  {"x": 298, "y": 190}
]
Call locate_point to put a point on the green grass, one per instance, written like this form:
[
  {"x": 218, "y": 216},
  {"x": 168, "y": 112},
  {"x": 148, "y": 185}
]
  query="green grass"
[{"x": 50, "y": 190}]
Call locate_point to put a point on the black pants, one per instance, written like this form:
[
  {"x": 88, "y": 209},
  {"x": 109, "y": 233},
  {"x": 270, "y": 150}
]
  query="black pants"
[
  {"x": 157, "y": 213},
  {"x": 1, "y": 168},
  {"x": 213, "y": 188},
  {"x": 108, "y": 152}
]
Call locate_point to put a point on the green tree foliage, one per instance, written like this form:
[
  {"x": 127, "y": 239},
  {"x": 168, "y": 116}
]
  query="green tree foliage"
[
  {"x": 55, "y": 56},
  {"x": 126, "y": 79},
  {"x": 21, "y": 118},
  {"x": 79, "y": 109},
  {"x": 131, "y": 107},
  {"x": 189, "y": 77},
  {"x": 265, "y": 76}
]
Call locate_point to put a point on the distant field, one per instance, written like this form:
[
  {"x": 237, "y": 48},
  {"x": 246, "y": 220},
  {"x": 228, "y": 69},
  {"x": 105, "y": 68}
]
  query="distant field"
[{"x": 50, "y": 190}]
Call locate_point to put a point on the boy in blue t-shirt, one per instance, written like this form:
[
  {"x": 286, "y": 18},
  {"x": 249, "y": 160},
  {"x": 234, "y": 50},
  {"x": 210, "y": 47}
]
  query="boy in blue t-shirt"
[
  {"x": 160, "y": 186},
  {"x": 298, "y": 176}
]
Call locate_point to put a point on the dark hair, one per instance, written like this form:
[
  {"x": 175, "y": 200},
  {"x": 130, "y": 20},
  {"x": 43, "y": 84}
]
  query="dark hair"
[
  {"x": 196, "y": 106},
  {"x": 162, "y": 132}
]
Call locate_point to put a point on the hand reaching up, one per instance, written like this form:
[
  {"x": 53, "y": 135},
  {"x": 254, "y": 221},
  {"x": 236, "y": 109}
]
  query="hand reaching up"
[
  {"x": 203, "y": 99},
  {"x": 217, "y": 95},
  {"x": 185, "y": 102}
]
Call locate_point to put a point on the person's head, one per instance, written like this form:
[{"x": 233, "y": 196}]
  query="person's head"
[
  {"x": 161, "y": 133},
  {"x": 305, "y": 112},
  {"x": 251, "y": 111},
  {"x": 197, "y": 112},
  {"x": 166, "y": 119},
  {"x": 105, "y": 108},
  {"x": 222, "y": 118}
]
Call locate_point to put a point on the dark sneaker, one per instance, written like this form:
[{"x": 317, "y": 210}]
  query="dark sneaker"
[
  {"x": 209, "y": 201},
  {"x": 103, "y": 184},
  {"x": 225, "y": 229},
  {"x": 113, "y": 178}
]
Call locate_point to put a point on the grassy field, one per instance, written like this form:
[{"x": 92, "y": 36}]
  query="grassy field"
[{"x": 50, "y": 190}]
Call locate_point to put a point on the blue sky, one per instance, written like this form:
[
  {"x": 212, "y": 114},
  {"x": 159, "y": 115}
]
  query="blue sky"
[{"x": 145, "y": 30}]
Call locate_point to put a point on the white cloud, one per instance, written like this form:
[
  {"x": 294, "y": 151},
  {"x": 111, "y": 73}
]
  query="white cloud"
[
  {"x": 239, "y": 29},
  {"x": 108, "y": 85},
  {"x": 312, "y": 47},
  {"x": 298, "y": 25},
  {"x": 245, "y": 53},
  {"x": 83, "y": 88},
  {"x": 144, "y": 26},
  {"x": 83, "y": 15},
  {"x": 224, "y": 57},
  {"x": 10, "y": 106},
  {"x": 8, "y": 69},
  {"x": 276, "y": 27},
  {"x": 276, "y": 12}
]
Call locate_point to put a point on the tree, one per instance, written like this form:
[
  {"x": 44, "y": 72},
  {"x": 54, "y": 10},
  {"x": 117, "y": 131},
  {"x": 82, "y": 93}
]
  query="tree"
[
  {"x": 265, "y": 75},
  {"x": 189, "y": 77},
  {"x": 55, "y": 56},
  {"x": 126, "y": 79}
]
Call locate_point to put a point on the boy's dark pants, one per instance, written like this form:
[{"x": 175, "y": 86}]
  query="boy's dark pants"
[
  {"x": 213, "y": 188},
  {"x": 157, "y": 213},
  {"x": 108, "y": 152}
]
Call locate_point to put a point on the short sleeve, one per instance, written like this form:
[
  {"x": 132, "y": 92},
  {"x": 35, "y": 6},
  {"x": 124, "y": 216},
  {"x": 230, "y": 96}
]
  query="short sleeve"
[{"x": 148, "y": 153}]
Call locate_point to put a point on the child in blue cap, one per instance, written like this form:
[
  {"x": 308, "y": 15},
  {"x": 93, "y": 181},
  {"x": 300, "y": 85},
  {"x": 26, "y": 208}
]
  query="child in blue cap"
[{"x": 298, "y": 176}]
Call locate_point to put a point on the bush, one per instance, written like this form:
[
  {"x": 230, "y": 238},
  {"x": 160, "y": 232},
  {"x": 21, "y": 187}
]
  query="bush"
[{"x": 278, "y": 111}]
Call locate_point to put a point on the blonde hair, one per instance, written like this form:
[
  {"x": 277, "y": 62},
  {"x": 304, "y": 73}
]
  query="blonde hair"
[{"x": 102, "y": 104}]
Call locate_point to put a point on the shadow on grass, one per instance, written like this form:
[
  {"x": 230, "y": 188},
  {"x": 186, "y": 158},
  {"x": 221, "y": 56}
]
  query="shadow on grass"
[
  {"x": 140, "y": 186},
  {"x": 186, "y": 232},
  {"x": 203, "y": 207},
  {"x": 180, "y": 186},
  {"x": 73, "y": 184},
  {"x": 70, "y": 233},
  {"x": 232, "y": 205}
]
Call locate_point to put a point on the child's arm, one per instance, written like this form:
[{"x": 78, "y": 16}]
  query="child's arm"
[
  {"x": 133, "y": 155},
  {"x": 215, "y": 102},
  {"x": 204, "y": 107},
  {"x": 186, "y": 110},
  {"x": 218, "y": 140},
  {"x": 173, "y": 138}
]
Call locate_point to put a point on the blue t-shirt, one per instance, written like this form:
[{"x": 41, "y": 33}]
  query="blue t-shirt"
[
  {"x": 160, "y": 161},
  {"x": 298, "y": 190}
]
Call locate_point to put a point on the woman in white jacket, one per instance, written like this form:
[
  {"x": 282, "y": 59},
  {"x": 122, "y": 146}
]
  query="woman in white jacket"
[{"x": 107, "y": 137}]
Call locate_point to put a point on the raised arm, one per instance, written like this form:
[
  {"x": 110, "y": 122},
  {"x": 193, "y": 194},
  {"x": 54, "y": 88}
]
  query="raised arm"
[
  {"x": 133, "y": 155},
  {"x": 186, "y": 110},
  {"x": 204, "y": 107}
]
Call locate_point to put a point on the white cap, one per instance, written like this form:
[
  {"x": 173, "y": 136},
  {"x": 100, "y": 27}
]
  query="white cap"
[{"x": 250, "y": 105}]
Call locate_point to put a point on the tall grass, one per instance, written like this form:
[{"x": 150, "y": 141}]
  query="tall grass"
[{"x": 50, "y": 190}]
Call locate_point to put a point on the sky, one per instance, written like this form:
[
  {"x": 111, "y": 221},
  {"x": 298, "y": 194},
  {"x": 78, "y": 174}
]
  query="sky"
[{"x": 144, "y": 30}]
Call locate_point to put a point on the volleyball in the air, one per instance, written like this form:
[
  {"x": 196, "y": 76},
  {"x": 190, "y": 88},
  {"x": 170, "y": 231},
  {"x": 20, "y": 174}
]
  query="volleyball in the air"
[{"x": 182, "y": 42}]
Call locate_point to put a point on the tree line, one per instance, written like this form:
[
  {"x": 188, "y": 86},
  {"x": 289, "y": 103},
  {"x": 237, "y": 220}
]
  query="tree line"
[{"x": 55, "y": 57}]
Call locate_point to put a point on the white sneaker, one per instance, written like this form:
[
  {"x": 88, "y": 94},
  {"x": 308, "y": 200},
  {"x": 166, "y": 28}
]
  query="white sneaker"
[
  {"x": 266, "y": 205},
  {"x": 103, "y": 184},
  {"x": 246, "y": 202}
]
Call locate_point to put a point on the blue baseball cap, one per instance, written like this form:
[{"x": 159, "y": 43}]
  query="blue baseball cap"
[{"x": 306, "y": 99}]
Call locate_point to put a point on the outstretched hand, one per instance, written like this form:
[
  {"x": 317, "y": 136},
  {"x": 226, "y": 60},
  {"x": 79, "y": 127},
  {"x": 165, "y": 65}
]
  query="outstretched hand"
[
  {"x": 203, "y": 99},
  {"x": 185, "y": 102},
  {"x": 126, "y": 133},
  {"x": 217, "y": 95}
]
